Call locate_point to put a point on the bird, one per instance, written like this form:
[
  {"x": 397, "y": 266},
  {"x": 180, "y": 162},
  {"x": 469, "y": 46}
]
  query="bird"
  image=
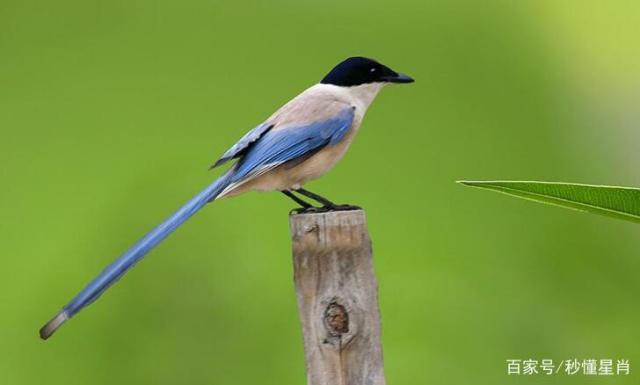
[{"x": 298, "y": 143}]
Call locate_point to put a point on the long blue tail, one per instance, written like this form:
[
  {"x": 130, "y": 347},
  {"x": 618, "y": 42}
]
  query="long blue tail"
[{"x": 127, "y": 260}]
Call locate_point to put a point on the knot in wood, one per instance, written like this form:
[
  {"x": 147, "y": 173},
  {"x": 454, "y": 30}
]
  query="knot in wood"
[{"x": 336, "y": 319}]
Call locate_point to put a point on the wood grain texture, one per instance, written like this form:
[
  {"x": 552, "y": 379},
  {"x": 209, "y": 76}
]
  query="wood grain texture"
[{"x": 337, "y": 295}]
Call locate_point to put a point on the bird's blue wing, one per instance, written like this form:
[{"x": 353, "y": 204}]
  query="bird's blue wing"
[
  {"x": 276, "y": 147},
  {"x": 243, "y": 144}
]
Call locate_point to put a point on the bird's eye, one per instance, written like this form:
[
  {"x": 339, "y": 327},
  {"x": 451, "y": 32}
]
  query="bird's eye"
[{"x": 372, "y": 69}]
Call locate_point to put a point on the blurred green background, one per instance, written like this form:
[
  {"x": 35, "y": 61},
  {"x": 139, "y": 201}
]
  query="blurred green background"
[{"x": 111, "y": 112}]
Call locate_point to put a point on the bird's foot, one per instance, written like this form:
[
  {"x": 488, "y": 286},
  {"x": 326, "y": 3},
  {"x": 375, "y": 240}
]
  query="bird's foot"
[
  {"x": 303, "y": 210},
  {"x": 345, "y": 207},
  {"x": 323, "y": 209}
]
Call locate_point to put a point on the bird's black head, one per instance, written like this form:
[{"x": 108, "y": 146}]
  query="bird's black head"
[{"x": 359, "y": 70}]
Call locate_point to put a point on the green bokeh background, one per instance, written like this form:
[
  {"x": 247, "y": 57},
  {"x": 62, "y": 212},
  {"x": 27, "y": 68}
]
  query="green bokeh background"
[{"x": 110, "y": 113}]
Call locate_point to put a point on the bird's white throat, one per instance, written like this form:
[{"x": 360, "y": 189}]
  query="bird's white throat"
[
  {"x": 361, "y": 95},
  {"x": 365, "y": 93}
]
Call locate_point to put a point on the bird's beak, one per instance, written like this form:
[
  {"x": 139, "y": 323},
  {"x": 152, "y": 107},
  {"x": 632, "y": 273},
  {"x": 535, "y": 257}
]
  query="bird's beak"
[{"x": 398, "y": 78}]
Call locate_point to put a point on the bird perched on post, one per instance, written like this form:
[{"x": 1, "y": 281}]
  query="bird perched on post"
[{"x": 300, "y": 142}]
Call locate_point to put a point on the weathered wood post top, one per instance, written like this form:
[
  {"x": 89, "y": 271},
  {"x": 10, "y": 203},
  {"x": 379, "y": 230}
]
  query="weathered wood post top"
[{"x": 337, "y": 295}]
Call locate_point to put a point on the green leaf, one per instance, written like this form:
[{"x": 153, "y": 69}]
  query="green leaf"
[{"x": 612, "y": 201}]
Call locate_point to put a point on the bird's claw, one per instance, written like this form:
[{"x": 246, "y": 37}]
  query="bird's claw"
[
  {"x": 307, "y": 210},
  {"x": 300, "y": 210},
  {"x": 323, "y": 209},
  {"x": 345, "y": 207}
]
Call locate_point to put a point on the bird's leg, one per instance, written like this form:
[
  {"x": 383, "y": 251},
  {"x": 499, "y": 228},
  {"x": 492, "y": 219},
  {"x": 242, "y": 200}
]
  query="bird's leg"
[
  {"x": 305, "y": 206},
  {"x": 327, "y": 205},
  {"x": 318, "y": 198}
]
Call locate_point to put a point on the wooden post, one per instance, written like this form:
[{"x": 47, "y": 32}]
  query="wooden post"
[{"x": 337, "y": 297}]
